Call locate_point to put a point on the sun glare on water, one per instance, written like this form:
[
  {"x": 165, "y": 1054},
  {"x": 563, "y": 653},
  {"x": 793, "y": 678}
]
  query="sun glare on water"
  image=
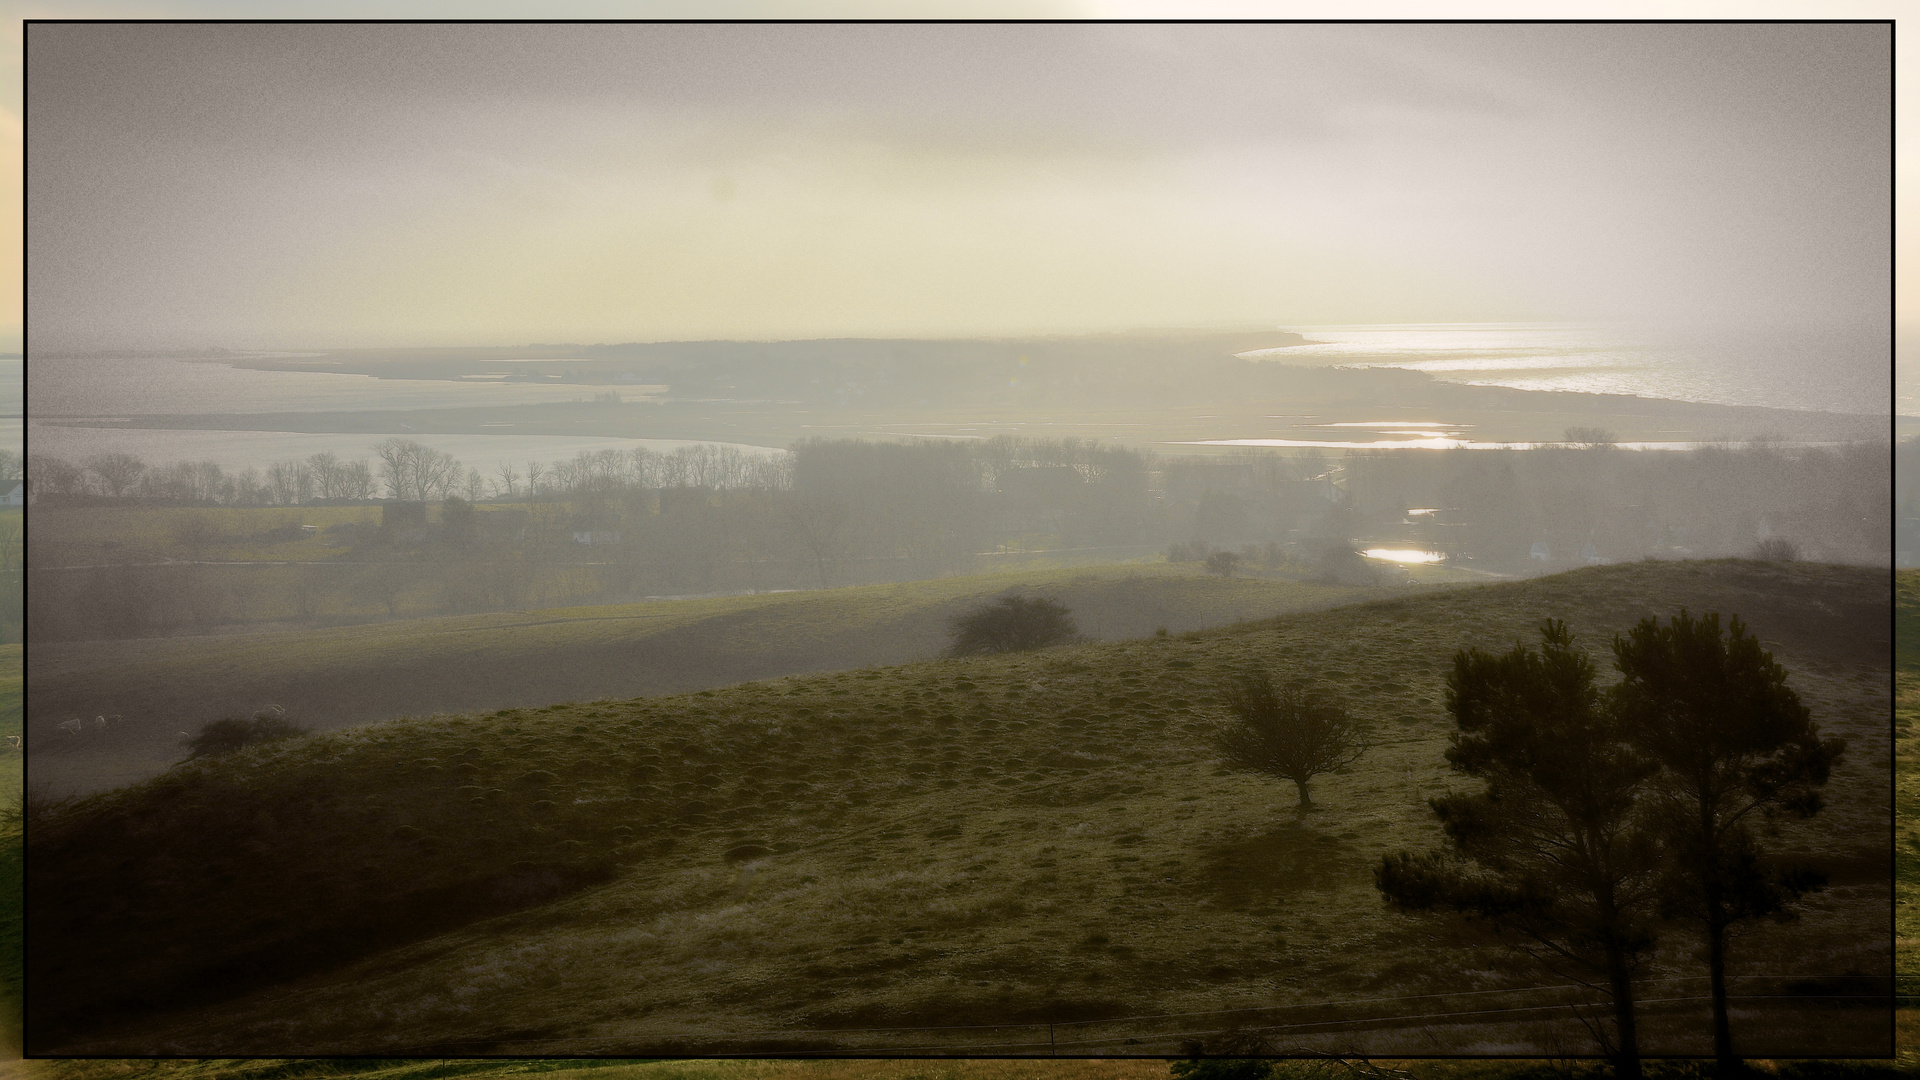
[{"x": 1403, "y": 555}]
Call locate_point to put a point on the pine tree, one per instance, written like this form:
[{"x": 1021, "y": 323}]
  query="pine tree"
[
  {"x": 1553, "y": 853},
  {"x": 1736, "y": 747}
]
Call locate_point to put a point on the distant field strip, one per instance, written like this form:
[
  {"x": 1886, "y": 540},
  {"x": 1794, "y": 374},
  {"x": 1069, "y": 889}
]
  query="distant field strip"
[{"x": 331, "y": 677}]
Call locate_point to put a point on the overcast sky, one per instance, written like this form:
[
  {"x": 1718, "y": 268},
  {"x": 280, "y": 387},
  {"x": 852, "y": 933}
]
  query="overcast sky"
[{"x": 302, "y": 185}]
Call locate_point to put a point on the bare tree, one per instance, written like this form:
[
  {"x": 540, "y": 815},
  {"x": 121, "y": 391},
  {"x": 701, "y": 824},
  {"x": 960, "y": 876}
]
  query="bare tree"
[
  {"x": 325, "y": 468},
  {"x": 290, "y": 482},
  {"x": 357, "y": 481},
  {"x": 820, "y": 525},
  {"x": 1288, "y": 733},
  {"x": 117, "y": 472},
  {"x": 508, "y": 479},
  {"x": 415, "y": 472}
]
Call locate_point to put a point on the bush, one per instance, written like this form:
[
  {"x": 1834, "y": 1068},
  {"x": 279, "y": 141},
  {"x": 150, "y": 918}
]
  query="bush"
[
  {"x": 1193, "y": 552},
  {"x": 1012, "y": 624},
  {"x": 238, "y": 732},
  {"x": 1223, "y": 563}
]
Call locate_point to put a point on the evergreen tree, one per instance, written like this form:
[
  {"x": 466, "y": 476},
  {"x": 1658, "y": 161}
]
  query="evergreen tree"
[
  {"x": 1553, "y": 853},
  {"x": 1736, "y": 747}
]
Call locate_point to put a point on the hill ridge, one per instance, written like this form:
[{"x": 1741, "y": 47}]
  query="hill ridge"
[{"x": 1042, "y": 834}]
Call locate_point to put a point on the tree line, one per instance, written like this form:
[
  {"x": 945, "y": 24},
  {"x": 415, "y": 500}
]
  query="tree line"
[
  {"x": 401, "y": 469},
  {"x": 1580, "y": 500},
  {"x": 613, "y": 524}
]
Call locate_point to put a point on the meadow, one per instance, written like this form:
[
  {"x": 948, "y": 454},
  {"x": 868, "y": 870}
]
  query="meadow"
[
  {"x": 1025, "y": 855},
  {"x": 331, "y": 677}
]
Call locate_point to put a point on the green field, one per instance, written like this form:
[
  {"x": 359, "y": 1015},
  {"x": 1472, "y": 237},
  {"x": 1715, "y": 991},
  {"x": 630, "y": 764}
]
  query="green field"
[
  {"x": 808, "y": 862},
  {"x": 66, "y": 535},
  {"x": 329, "y": 678}
]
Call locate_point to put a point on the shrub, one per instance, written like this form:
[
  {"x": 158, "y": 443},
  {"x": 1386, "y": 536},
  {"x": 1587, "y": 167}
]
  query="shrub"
[
  {"x": 1012, "y": 624},
  {"x": 1223, "y": 563},
  {"x": 238, "y": 732}
]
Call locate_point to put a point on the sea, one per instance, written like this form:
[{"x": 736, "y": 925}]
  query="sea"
[{"x": 1826, "y": 372}]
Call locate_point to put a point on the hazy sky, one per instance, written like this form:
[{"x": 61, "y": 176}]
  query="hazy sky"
[{"x": 302, "y": 185}]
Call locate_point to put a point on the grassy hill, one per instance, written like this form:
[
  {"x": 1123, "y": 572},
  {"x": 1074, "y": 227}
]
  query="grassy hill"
[
  {"x": 1040, "y": 845},
  {"x": 329, "y": 678}
]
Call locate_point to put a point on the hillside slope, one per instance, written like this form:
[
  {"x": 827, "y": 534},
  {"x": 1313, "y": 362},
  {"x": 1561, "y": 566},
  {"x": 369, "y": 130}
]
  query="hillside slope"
[
  {"x": 1039, "y": 845},
  {"x": 330, "y": 678}
]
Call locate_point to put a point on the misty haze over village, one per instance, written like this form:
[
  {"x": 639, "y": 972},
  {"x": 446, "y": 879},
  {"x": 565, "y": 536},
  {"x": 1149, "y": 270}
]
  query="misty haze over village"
[{"x": 696, "y": 539}]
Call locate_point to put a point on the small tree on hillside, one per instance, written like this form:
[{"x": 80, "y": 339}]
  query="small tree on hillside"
[
  {"x": 239, "y": 732},
  {"x": 1737, "y": 747},
  {"x": 1554, "y": 852},
  {"x": 1012, "y": 624},
  {"x": 1223, "y": 563},
  {"x": 1287, "y": 733}
]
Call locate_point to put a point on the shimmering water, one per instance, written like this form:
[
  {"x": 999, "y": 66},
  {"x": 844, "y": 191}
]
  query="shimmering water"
[
  {"x": 155, "y": 386},
  {"x": 240, "y": 449},
  {"x": 1830, "y": 371}
]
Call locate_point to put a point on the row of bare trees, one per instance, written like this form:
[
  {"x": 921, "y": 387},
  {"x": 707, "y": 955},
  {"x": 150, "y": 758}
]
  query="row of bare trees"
[
  {"x": 932, "y": 502},
  {"x": 121, "y": 476},
  {"x": 402, "y": 469}
]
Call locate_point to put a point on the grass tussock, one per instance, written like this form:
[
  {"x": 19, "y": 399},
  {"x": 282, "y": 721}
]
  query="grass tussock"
[{"x": 848, "y": 861}]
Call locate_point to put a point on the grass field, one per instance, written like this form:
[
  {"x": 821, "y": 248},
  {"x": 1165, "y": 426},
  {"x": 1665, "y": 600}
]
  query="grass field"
[
  {"x": 64, "y": 535},
  {"x": 333, "y": 677},
  {"x": 864, "y": 860}
]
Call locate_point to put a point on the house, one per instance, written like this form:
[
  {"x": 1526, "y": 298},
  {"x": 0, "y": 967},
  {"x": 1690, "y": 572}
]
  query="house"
[
  {"x": 1540, "y": 551},
  {"x": 18, "y": 496}
]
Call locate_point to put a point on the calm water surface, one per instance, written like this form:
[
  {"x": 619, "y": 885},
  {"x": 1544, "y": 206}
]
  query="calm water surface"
[
  {"x": 1826, "y": 371},
  {"x": 1783, "y": 371}
]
